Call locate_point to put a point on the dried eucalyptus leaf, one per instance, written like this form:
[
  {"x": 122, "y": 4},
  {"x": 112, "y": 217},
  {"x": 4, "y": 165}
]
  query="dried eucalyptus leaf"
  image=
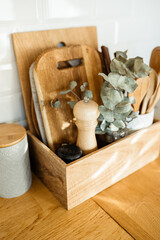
[
  {"x": 72, "y": 103},
  {"x": 119, "y": 124},
  {"x": 103, "y": 125},
  {"x": 107, "y": 103},
  {"x": 123, "y": 107},
  {"x": 106, "y": 113},
  {"x": 130, "y": 63},
  {"x": 138, "y": 62},
  {"x": 122, "y": 116},
  {"x": 146, "y": 68},
  {"x": 55, "y": 104},
  {"x": 100, "y": 118},
  {"x": 98, "y": 130},
  {"x": 113, "y": 128},
  {"x": 130, "y": 99},
  {"x": 88, "y": 93},
  {"x": 104, "y": 76},
  {"x": 113, "y": 79},
  {"x": 114, "y": 96},
  {"x": 83, "y": 86},
  {"x": 127, "y": 83},
  {"x": 133, "y": 115},
  {"x": 72, "y": 85},
  {"x": 65, "y": 92},
  {"x": 117, "y": 67},
  {"x": 121, "y": 56}
]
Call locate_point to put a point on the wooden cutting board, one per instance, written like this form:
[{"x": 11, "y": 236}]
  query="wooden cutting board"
[
  {"x": 29, "y": 45},
  {"x": 50, "y": 80}
]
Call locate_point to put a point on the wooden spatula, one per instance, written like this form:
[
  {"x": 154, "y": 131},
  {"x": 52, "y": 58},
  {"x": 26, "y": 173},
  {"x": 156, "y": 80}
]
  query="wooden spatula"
[
  {"x": 152, "y": 86},
  {"x": 140, "y": 92},
  {"x": 154, "y": 99}
]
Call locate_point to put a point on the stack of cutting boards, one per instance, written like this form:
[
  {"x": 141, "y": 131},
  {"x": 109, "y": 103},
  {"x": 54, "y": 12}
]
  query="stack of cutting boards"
[{"x": 49, "y": 80}]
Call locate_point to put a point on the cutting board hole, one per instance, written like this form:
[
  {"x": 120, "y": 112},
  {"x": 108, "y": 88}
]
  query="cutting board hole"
[
  {"x": 70, "y": 63},
  {"x": 61, "y": 44}
]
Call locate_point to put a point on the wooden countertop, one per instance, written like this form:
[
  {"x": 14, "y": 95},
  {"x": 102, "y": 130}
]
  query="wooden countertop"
[{"x": 129, "y": 209}]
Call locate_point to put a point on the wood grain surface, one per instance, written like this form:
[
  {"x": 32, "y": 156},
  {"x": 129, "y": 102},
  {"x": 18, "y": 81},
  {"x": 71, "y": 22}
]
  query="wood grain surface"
[
  {"x": 134, "y": 202},
  {"x": 50, "y": 80},
  {"x": 80, "y": 180},
  {"x": 153, "y": 79},
  {"x": 11, "y": 134},
  {"x": 29, "y": 45},
  {"x": 49, "y": 168},
  {"x": 96, "y": 171},
  {"x": 140, "y": 92},
  {"x": 38, "y": 215},
  {"x": 155, "y": 59}
]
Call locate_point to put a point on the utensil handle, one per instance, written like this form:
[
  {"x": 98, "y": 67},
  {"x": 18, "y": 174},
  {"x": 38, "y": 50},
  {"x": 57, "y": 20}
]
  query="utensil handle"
[{"x": 106, "y": 57}]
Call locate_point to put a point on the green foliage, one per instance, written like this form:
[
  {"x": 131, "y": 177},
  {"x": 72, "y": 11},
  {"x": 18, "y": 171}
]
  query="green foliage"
[
  {"x": 88, "y": 94},
  {"x": 72, "y": 103},
  {"x": 72, "y": 85},
  {"x": 117, "y": 108},
  {"x": 55, "y": 104}
]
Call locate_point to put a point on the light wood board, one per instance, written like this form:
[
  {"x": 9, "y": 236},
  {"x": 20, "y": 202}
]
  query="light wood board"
[
  {"x": 29, "y": 45},
  {"x": 50, "y": 80},
  {"x": 38, "y": 215},
  {"x": 135, "y": 202}
]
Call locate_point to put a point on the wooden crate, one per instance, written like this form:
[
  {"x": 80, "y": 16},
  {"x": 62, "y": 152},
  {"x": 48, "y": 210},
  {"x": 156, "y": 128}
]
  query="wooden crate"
[{"x": 78, "y": 181}]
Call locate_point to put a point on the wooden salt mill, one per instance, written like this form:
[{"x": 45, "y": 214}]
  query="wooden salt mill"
[{"x": 86, "y": 113}]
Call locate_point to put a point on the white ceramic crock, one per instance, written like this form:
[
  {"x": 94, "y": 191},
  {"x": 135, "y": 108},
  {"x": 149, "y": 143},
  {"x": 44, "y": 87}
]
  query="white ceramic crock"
[{"x": 141, "y": 121}]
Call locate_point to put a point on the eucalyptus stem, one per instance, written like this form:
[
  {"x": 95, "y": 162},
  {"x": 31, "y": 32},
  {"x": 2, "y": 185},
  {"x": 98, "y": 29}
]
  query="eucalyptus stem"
[{"x": 75, "y": 95}]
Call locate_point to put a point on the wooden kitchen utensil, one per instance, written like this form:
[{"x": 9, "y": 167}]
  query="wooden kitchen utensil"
[
  {"x": 50, "y": 80},
  {"x": 29, "y": 45},
  {"x": 106, "y": 57},
  {"x": 155, "y": 59},
  {"x": 154, "y": 99},
  {"x": 86, "y": 113},
  {"x": 140, "y": 92},
  {"x": 153, "y": 78}
]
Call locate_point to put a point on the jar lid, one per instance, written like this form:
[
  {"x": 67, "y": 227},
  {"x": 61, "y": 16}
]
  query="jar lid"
[
  {"x": 69, "y": 152},
  {"x": 11, "y": 134}
]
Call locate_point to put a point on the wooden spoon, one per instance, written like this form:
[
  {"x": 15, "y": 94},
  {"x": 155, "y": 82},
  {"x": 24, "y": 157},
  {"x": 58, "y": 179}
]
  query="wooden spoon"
[
  {"x": 155, "y": 99},
  {"x": 140, "y": 92},
  {"x": 152, "y": 86}
]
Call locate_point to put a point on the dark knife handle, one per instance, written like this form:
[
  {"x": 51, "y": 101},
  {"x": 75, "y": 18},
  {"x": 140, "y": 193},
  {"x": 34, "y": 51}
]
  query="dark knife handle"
[{"x": 106, "y": 57}]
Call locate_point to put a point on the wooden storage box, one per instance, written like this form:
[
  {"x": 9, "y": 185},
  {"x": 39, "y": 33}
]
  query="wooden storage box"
[{"x": 78, "y": 181}]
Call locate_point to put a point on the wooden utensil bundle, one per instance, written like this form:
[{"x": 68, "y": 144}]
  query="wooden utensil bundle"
[{"x": 153, "y": 94}]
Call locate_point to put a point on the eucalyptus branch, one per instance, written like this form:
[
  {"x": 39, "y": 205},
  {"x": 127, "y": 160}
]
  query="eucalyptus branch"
[{"x": 75, "y": 95}]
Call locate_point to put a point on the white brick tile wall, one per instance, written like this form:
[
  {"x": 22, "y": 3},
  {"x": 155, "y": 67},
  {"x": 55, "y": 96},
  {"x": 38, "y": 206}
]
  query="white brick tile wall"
[
  {"x": 11, "y": 107},
  {"x": 9, "y": 81},
  {"x": 16, "y": 10},
  {"x": 70, "y": 9},
  {"x": 114, "y": 8},
  {"x": 121, "y": 25}
]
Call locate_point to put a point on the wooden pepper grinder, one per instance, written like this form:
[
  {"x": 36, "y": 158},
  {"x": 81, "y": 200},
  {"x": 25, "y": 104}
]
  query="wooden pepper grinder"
[{"x": 86, "y": 113}]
